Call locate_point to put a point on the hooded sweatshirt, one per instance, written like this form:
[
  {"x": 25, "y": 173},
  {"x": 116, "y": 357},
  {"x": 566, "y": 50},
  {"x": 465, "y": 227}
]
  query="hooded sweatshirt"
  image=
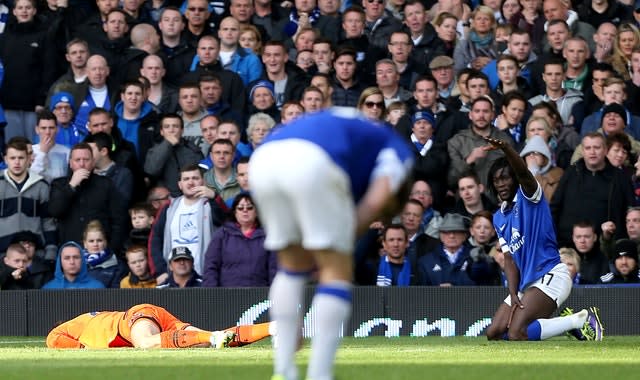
[
  {"x": 82, "y": 281},
  {"x": 549, "y": 175},
  {"x": 129, "y": 128}
]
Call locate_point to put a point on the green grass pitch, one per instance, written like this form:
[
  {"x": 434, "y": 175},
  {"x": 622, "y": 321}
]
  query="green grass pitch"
[{"x": 436, "y": 358}]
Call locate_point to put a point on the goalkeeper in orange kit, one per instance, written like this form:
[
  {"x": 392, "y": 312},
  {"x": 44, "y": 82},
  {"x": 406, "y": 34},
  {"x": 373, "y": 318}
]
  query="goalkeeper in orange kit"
[{"x": 148, "y": 326}]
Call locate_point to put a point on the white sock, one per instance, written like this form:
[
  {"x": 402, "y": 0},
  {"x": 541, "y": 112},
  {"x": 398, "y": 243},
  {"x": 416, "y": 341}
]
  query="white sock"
[
  {"x": 556, "y": 326},
  {"x": 286, "y": 295},
  {"x": 332, "y": 309}
]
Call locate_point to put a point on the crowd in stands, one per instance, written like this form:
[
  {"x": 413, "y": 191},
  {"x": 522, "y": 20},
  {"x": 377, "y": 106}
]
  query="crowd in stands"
[{"x": 127, "y": 128}]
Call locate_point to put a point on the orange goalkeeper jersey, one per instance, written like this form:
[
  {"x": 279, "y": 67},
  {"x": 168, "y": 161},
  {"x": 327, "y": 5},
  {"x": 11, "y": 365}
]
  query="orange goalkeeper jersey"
[{"x": 109, "y": 328}]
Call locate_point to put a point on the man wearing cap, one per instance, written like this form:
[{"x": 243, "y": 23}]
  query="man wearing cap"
[
  {"x": 625, "y": 263},
  {"x": 181, "y": 271},
  {"x": 431, "y": 157},
  {"x": 447, "y": 265},
  {"x": 442, "y": 69},
  {"x": 62, "y": 106},
  {"x": 262, "y": 98},
  {"x": 613, "y": 121}
]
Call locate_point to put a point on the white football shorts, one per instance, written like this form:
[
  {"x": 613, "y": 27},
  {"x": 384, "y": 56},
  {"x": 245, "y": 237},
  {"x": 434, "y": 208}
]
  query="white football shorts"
[
  {"x": 302, "y": 196},
  {"x": 556, "y": 284}
]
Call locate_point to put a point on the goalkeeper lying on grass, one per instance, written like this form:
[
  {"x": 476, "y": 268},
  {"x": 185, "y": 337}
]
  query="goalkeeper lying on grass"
[{"x": 148, "y": 326}]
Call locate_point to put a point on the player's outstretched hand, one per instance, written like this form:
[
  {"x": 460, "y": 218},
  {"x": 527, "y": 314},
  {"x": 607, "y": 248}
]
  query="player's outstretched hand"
[{"x": 494, "y": 144}]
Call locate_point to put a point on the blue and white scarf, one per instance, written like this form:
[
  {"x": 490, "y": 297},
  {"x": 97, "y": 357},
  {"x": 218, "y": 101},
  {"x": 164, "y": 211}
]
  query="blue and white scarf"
[{"x": 385, "y": 273}]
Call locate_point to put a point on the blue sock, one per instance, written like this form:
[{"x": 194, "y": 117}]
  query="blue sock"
[{"x": 534, "y": 330}]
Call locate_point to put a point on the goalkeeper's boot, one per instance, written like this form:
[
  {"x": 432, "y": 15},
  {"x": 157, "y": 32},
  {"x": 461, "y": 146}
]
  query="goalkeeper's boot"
[{"x": 221, "y": 339}]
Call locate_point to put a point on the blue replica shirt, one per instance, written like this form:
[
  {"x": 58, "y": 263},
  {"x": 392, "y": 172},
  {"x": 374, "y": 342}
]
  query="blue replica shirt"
[
  {"x": 526, "y": 231},
  {"x": 365, "y": 150}
]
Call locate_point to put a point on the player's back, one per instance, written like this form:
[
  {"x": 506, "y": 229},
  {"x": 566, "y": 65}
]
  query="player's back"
[{"x": 353, "y": 142}]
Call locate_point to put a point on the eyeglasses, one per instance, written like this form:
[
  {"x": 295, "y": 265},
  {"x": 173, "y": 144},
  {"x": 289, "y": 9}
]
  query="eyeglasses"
[
  {"x": 374, "y": 104},
  {"x": 194, "y": 9},
  {"x": 375, "y": 1},
  {"x": 245, "y": 208}
]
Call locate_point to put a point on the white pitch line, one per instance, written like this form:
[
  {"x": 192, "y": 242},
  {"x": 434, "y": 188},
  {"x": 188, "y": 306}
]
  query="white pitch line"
[{"x": 20, "y": 341}]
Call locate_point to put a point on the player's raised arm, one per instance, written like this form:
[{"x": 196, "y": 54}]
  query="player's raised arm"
[{"x": 523, "y": 175}]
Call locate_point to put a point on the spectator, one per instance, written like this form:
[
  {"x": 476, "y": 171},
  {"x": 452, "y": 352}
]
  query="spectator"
[
  {"x": 39, "y": 267},
  {"x": 593, "y": 263},
  {"x": 234, "y": 57},
  {"x": 400, "y": 47},
  {"x": 395, "y": 112},
  {"x": 482, "y": 268},
  {"x": 290, "y": 111},
  {"x": 509, "y": 79},
  {"x": 519, "y": 47},
  {"x": 24, "y": 198},
  {"x": 570, "y": 258},
  {"x": 102, "y": 262},
  {"x": 632, "y": 228},
  {"x": 447, "y": 265},
  {"x": 372, "y": 104},
  {"x": 142, "y": 215},
  {"x": 596, "y": 12},
  {"x": 442, "y": 70},
  {"x": 323, "y": 54},
  {"x": 346, "y": 86},
  {"x": 325, "y": 84},
  {"x": 77, "y": 54},
  {"x": 83, "y": 196},
  {"x": 139, "y": 274},
  {"x": 221, "y": 177},
  {"x": 158, "y": 197},
  {"x": 69, "y": 133},
  {"x": 263, "y": 99},
  {"x": 103, "y": 165},
  {"x": 188, "y": 221},
  {"x": 305, "y": 14},
  {"x": 578, "y": 74},
  {"x": 136, "y": 119},
  {"x": 197, "y": 15},
  {"x": 211, "y": 92},
  {"x": 625, "y": 264},
  {"x": 627, "y": 39},
  {"x": 559, "y": 10},
  {"x": 565, "y": 99},
  {"x": 593, "y": 172},
  {"x": 446, "y": 24},
  {"x": 260, "y": 124},
  {"x": 539, "y": 162},
  {"x": 545, "y": 121},
  {"x": 425, "y": 41},
  {"x": 182, "y": 272},
  {"x": 353, "y": 35},
  {"x": 14, "y": 273},
  {"x": 613, "y": 91},
  {"x": 236, "y": 256},
  {"x": 51, "y": 160},
  {"x": 431, "y": 218},
  {"x": 394, "y": 269},
  {"x": 97, "y": 93},
  {"x": 471, "y": 196},
  {"x": 388, "y": 79},
  {"x": 618, "y": 152},
  {"x": 27, "y": 53},
  {"x": 114, "y": 42},
  {"x": 251, "y": 39},
  {"x": 145, "y": 41},
  {"x": 480, "y": 47},
  {"x": 165, "y": 158},
  {"x": 175, "y": 49},
  {"x": 72, "y": 270},
  {"x": 604, "y": 39},
  {"x": 191, "y": 112},
  {"x": 466, "y": 148},
  {"x": 163, "y": 97},
  {"x": 312, "y": 99},
  {"x": 378, "y": 24},
  {"x": 510, "y": 120}
]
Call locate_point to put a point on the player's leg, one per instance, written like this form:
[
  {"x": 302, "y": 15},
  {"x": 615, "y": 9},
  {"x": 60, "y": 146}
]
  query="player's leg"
[
  {"x": 499, "y": 322},
  {"x": 247, "y": 334},
  {"x": 286, "y": 295},
  {"x": 332, "y": 308}
]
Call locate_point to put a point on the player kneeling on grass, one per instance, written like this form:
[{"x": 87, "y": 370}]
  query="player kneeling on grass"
[
  {"x": 148, "y": 326},
  {"x": 538, "y": 281}
]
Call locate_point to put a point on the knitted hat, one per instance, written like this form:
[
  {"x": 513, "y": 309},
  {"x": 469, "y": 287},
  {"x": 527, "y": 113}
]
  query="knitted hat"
[
  {"x": 61, "y": 97},
  {"x": 263, "y": 83},
  {"x": 424, "y": 115},
  {"x": 626, "y": 247},
  {"x": 616, "y": 108}
]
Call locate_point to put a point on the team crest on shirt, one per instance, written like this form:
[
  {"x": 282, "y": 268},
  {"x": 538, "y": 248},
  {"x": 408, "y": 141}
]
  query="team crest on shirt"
[{"x": 516, "y": 241}]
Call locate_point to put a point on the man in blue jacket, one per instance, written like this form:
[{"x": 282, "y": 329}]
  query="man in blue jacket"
[{"x": 71, "y": 270}]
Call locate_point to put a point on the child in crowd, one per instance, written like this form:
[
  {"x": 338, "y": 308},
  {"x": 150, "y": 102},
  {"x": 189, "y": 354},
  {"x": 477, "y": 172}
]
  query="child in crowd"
[
  {"x": 141, "y": 215},
  {"x": 395, "y": 111},
  {"x": 102, "y": 262},
  {"x": 139, "y": 273}
]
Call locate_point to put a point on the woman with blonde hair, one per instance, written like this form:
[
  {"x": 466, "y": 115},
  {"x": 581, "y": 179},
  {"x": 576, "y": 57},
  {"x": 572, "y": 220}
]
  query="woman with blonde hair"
[
  {"x": 627, "y": 39},
  {"x": 251, "y": 39},
  {"x": 102, "y": 263},
  {"x": 480, "y": 46},
  {"x": 371, "y": 103},
  {"x": 445, "y": 25}
]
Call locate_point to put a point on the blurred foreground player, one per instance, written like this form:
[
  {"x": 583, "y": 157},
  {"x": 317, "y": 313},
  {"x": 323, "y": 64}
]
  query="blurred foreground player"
[
  {"x": 147, "y": 326},
  {"x": 537, "y": 279},
  {"x": 317, "y": 182}
]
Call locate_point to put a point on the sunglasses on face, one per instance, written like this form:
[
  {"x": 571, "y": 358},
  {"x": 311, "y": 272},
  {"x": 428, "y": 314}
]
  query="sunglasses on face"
[
  {"x": 374, "y": 104},
  {"x": 244, "y": 208},
  {"x": 194, "y": 9},
  {"x": 375, "y": 1}
]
